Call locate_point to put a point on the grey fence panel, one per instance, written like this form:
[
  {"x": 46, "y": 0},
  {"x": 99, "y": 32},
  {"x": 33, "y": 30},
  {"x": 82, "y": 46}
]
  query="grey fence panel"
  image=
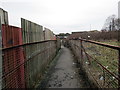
[
  {"x": 42, "y": 55},
  {"x": 35, "y": 65},
  {"x": 39, "y": 55},
  {"x": 4, "y": 16}
]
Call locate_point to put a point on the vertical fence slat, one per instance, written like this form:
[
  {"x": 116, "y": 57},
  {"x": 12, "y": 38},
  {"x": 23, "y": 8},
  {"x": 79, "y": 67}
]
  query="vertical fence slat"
[
  {"x": 34, "y": 32},
  {"x": 24, "y": 61}
]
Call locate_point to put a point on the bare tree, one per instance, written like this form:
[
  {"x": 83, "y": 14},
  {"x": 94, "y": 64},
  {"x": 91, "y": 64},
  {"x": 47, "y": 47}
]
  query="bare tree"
[{"x": 111, "y": 24}]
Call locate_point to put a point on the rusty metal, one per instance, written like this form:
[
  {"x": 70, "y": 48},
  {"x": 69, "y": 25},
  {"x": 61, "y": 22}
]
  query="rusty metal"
[
  {"x": 19, "y": 72},
  {"x": 103, "y": 67},
  {"x": 49, "y": 49},
  {"x": 0, "y": 54},
  {"x": 24, "y": 55},
  {"x": 119, "y": 68},
  {"x": 12, "y": 36},
  {"x": 102, "y": 44},
  {"x": 81, "y": 52},
  {"x": 105, "y": 71},
  {"x": 15, "y": 68},
  {"x": 16, "y": 46},
  {"x": 109, "y": 46}
]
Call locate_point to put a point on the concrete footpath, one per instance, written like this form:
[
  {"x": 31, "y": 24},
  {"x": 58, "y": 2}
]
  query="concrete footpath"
[{"x": 65, "y": 73}]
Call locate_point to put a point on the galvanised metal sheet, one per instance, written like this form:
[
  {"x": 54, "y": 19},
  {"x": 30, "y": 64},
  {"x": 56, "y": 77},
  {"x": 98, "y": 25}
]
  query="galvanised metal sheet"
[
  {"x": 39, "y": 55},
  {"x": 4, "y": 16},
  {"x": 48, "y": 34},
  {"x": 31, "y": 31}
]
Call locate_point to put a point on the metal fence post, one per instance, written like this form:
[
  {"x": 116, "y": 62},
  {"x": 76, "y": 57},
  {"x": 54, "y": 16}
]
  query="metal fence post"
[
  {"x": 0, "y": 54},
  {"x": 81, "y": 53},
  {"x": 119, "y": 55},
  {"x": 119, "y": 69}
]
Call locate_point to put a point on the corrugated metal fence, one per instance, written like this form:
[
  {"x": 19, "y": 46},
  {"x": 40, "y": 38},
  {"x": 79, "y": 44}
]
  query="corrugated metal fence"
[
  {"x": 31, "y": 31},
  {"x": 25, "y": 60},
  {"x": 12, "y": 58},
  {"x": 101, "y": 62}
]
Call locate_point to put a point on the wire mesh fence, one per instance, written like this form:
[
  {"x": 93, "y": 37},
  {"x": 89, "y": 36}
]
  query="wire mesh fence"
[
  {"x": 100, "y": 62},
  {"x": 24, "y": 55},
  {"x": 26, "y": 74}
]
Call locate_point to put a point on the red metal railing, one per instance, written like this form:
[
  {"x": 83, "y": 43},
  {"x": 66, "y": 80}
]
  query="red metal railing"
[
  {"x": 24, "y": 64},
  {"x": 105, "y": 75},
  {"x": 32, "y": 69}
]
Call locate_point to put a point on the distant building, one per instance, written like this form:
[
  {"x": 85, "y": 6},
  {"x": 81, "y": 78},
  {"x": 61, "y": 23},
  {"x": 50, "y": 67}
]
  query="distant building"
[
  {"x": 119, "y": 9},
  {"x": 81, "y": 32},
  {"x": 78, "y": 32},
  {"x": 3, "y": 16},
  {"x": 63, "y": 35}
]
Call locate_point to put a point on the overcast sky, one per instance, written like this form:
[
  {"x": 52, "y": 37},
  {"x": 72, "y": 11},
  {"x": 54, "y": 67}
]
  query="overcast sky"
[{"x": 61, "y": 16}]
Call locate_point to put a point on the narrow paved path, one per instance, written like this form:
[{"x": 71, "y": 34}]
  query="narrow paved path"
[{"x": 65, "y": 73}]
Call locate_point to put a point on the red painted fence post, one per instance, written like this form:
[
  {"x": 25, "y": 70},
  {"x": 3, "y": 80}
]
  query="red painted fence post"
[{"x": 119, "y": 69}]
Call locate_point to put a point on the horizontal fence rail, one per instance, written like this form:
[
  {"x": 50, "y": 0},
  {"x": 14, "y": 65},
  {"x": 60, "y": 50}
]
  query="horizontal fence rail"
[
  {"x": 23, "y": 65},
  {"x": 100, "y": 61},
  {"x": 16, "y": 46},
  {"x": 25, "y": 54}
]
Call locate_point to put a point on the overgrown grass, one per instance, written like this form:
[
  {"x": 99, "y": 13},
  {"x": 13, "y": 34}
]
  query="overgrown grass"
[
  {"x": 106, "y": 56},
  {"x": 111, "y": 42}
]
